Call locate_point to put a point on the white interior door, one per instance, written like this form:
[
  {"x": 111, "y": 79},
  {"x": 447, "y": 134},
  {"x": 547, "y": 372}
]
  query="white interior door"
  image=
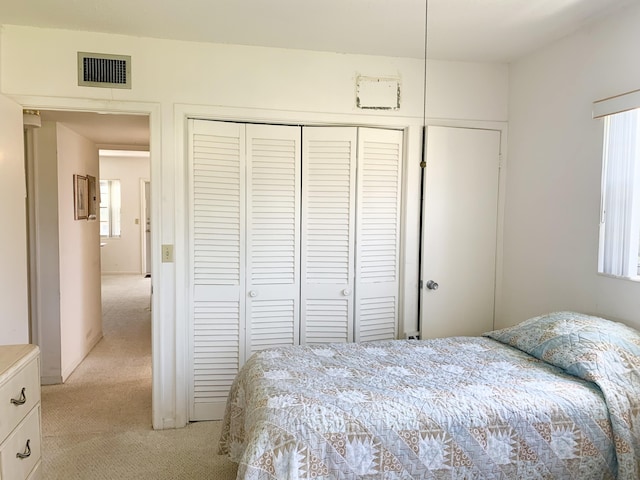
[
  {"x": 273, "y": 236},
  {"x": 459, "y": 231},
  {"x": 217, "y": 274},
  {"x": 378, "y": 233},
  {"x": 147, "y": 228},
  {"x": 328, "y": 234}
]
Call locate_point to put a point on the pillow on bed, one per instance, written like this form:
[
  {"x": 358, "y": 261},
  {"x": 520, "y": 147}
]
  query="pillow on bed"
[{"x": 580, "y": 344}]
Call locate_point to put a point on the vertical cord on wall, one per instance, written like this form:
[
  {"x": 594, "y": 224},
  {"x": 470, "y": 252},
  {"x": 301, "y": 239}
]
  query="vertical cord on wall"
[
  {"x": 424, "y": 77},
  {"x": 423, "y": 164}
]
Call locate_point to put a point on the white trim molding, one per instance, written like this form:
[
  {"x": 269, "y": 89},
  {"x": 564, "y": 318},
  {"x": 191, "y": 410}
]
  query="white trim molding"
[
  {"x": 616, "y": 104},
  {"x": 162, "y": 317}
]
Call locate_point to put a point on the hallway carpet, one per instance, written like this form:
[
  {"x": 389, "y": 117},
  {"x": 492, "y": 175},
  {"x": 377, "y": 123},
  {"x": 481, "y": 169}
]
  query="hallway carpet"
[{"x": 98, "y": 424}]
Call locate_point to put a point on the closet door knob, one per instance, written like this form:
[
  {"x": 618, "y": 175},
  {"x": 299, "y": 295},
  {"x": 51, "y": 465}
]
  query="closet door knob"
[
  {"x": 346, "y": 292},
  {"x": 253, "y": 293}
]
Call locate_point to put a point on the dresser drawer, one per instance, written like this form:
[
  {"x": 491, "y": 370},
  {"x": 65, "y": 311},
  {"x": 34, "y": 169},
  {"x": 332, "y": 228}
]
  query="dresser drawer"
[
  {"x": 10, "y": 413},
  {"x": 12, "y": 467}
]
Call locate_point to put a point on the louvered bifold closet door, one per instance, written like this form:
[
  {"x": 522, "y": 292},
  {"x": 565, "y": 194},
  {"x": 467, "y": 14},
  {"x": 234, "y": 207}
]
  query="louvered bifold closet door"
[
  {"x": 273, "y": 236},
  {"x": 328, "y": 225},
  {"x": 378, "y": 233},
  {"x": 216, "y": 156}
]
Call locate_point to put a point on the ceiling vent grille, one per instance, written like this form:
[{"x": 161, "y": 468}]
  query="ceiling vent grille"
[{"x": 104, "y": 70}]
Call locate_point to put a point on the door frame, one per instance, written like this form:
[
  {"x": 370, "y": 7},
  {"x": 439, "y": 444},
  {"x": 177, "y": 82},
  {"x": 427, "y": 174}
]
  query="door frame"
[
  {"x": 162, "y": 365},
  {"x": 503, "y": 129},
  {"x": 144, "y": 212}
]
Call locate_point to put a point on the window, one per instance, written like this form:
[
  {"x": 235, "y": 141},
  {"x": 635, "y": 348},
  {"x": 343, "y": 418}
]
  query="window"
[
  {"x": 109, "y": 208},
  {"x": 620, "y": 213}
]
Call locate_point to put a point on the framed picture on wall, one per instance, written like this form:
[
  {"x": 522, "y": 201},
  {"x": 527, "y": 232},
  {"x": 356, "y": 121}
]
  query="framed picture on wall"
[
  {"x": 92, "y": 195},
  {"x": 80, "y": 197}
]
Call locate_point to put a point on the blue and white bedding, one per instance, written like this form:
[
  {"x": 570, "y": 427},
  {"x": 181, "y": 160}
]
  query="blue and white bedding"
[{"x": 554, "y": 397}]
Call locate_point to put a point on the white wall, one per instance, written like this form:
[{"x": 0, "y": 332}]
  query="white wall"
[
  {"x": 80, "y": 292},
  {"x": 171, "y": 71},
  {"x": 553, "y": 195},
  {"x": 38, "y": 67},
  {"x": 67, "y": 254},
  {"x": 124, "y": 254},
  {"x": 14, "y": 310},
  {"x": 468, "y": 91}
]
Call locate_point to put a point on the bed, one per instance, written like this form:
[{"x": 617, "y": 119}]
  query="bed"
[{"x": 557, "y": 396}]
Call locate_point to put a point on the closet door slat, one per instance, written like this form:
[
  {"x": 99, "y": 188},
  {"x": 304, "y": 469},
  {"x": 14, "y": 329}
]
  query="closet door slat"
[
  {"x": 273, "y": 236},
  {"x": 378, "y": 233},
  {"x": 217, "y": 272},
  {"x": 328, "y": 223}
]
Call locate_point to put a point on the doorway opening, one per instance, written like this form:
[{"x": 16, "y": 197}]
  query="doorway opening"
[{"x": 95, "y": 335}]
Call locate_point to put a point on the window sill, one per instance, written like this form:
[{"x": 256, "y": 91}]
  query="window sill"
[{"x": 635, "y": 279}]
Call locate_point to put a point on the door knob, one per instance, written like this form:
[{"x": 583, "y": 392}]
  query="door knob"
[
  {"x": 431, "y": 285},
  {"x": 346, "y": 292},
  {"x": 253, "y": 293}
]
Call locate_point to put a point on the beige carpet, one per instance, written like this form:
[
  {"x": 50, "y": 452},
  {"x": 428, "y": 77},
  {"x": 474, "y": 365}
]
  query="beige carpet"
[{"x": 98, "y": 424}]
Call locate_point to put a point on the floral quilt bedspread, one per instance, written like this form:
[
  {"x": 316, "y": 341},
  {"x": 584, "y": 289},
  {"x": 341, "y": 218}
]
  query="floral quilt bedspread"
[
  {"x": 455, "y": 408},
  {"x": 604, "y": 352}
]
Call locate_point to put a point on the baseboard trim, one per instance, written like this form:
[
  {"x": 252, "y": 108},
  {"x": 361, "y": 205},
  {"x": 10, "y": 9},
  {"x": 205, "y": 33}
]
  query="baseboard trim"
[
  {"x": 92, "y": 343},
  {"x": 51, "y": 380},
  {"x": 121, "y": 273}
]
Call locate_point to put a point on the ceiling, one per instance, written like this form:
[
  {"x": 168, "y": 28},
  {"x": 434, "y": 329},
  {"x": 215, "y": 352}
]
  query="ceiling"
[
  {"x": 465, "y": 30},
  {"x": 475, "y": 30}
]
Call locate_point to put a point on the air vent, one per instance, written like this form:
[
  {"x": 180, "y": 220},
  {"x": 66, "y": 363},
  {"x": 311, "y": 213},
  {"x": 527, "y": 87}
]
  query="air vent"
[{"x": 104, "y": 70}]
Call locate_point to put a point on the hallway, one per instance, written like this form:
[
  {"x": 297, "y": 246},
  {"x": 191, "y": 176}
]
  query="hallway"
[
  {"x": 98, "y": 424},
  {"x": 113, "y": 383}
]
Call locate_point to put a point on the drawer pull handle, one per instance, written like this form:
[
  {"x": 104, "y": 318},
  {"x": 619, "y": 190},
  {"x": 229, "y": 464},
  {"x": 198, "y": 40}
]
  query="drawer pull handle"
[
  {"x": 22, "y": 400},
  {"x": 27, "y": 451}
]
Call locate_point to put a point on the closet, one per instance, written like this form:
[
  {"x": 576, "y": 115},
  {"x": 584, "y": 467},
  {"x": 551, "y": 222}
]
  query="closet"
[{"x": 294, "y": 239}]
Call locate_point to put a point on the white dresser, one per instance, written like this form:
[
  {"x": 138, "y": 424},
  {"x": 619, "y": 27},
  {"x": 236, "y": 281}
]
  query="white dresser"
[{"x": 20, "y": 435}]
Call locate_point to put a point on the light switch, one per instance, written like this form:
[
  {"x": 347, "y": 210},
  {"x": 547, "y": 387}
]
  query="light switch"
[{"x": 167, "y": 253}]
